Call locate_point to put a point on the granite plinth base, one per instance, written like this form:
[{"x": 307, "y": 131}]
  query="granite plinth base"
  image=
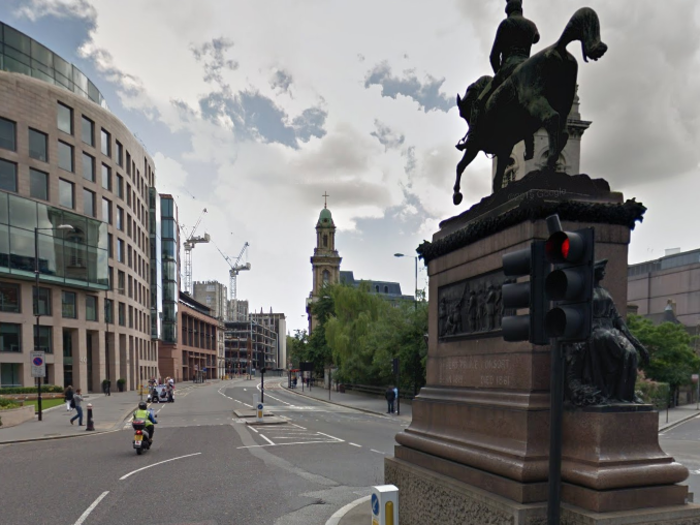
[{"x": 428, "y": 497}]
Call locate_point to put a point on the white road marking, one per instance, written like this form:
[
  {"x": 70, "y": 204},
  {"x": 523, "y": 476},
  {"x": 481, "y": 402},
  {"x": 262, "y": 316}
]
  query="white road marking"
[
  {"x": 237, "y": 401},
  {"x": 355, "y": 445},
  {"x": 85, "y": 514},
  {"x": 377, "y": 451},
  {"x": 249, "y": 406},
  {"x": 286, "y": 444},
  {"x": 297, "y": 426},
  {"x": 254, "y": 430},
  {"x": 267, "y": 439},
  {"x": 332, "y": 437},
  {"x": 276, "y": 399},
  {"x": 159, "y": 463}
]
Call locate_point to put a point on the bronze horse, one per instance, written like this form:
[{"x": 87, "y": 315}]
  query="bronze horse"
[{"x": 538, "y": 94}]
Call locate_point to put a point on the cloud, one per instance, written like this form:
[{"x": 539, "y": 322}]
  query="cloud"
[
  {"x": 386, "y": 136},
  {"x": 281, "y": 80},
  {"x": 36, "y": 9},
  {"x": 253, "y": 116},
  {"x": 211, "y": 54},
  {"x": 427, "y": 94}
]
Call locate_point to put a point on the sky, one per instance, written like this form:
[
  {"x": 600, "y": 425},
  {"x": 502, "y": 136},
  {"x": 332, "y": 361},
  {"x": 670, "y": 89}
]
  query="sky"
[{"x": 253, "y": 110}]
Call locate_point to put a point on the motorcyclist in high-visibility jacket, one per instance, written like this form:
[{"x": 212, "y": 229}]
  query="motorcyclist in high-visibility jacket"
[{"x": 146, "y": 415}]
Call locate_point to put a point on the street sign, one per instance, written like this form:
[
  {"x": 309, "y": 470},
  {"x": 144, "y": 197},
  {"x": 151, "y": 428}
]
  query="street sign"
[
  {"x": 38, "y": 364},
  {"x": 695, "y": 378},
  {"x": 375, "y": 505}
]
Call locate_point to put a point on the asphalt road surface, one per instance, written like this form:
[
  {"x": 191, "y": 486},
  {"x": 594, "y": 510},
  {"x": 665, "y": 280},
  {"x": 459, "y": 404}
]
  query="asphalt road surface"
[
  {"x": 683, "y": 443},
  {"x": 206, "y": 466}
]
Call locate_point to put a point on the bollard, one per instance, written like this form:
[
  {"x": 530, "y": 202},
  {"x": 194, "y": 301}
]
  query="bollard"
[{"x": 90, "y": 422}]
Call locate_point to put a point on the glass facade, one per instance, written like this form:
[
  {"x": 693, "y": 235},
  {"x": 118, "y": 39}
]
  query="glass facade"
[
  {"x": 169, "y": 261},
  {"x": 21, "y": 54},
  {"x": 154, "y": 220},
  {"x": 77, "y": 258}
]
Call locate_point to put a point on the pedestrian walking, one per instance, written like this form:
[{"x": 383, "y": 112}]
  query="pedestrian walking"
[
  {"x": 77, "y": 401},
  {"x": 389, "y": 395},
  {"x": 68, "y": 397}
]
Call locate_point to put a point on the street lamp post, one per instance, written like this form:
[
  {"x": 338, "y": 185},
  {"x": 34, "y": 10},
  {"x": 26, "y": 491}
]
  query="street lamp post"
[
  {"x": 415, "y": 305},
  {"x": 36, "y": 301},
  {"x": 415, "y": 288}
]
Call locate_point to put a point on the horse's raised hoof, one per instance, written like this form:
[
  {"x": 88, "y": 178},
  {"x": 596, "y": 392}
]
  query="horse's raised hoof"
[{"x": 456, "y": 198}]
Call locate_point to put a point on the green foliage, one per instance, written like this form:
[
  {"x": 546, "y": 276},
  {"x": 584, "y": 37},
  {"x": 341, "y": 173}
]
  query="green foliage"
[
  {"x": 6, "y": 404},
  {"x": 652, "y": 392},
  {"x": 672, "y": 359},
  {"x": 296, "y": 346},
  {"x": 121, "y": 381},
  {"x": 31, "y": 389},
  {"x": 367, "y": 332}
]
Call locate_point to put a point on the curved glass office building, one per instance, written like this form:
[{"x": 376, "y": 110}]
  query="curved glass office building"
[{"x": 74, "y": 205}]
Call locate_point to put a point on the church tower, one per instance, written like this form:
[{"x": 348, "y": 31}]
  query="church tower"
[
  {"x": 569, "y": 161},
  {"x": 325, "y": 262}
]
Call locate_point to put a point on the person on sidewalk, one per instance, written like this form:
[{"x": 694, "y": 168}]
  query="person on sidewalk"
[
  {"x": 390, "y": 396},
  {"x": 78, "y": 400},
  {"x": 68, "y": 397}
]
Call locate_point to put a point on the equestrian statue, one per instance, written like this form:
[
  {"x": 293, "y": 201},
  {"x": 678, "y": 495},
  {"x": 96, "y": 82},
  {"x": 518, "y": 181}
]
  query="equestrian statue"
[{"x": 527, "y": 92}]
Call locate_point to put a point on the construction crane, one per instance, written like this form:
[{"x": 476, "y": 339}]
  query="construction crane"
[
  {"x": 235, "y": 268},
  {"x": 189, "y": 244}
]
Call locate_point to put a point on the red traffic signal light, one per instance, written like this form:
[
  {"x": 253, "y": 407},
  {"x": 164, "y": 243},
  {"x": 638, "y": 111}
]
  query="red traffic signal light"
[{"x": 565, "y": 247}]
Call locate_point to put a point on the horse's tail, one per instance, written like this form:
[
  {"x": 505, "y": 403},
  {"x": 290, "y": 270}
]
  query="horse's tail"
[{"x": 584, "y": 25}]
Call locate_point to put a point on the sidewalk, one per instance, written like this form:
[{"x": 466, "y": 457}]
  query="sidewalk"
[
  {"x": 358, "y": 401},
  {"x": 108, "y": 414}
]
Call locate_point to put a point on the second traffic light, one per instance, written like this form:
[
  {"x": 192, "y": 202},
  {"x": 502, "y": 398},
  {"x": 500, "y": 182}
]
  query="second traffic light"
[
  {"x": 570, "y": 284},
  {"x": 530, "y": 294}
]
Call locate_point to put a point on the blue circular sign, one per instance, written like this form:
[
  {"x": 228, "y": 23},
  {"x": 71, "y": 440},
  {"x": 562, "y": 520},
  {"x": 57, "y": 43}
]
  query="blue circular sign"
[
  {"x": 38, "y": 361},
  {"x": 260, "y": 407},
  {"x": 375, "y": 505}
]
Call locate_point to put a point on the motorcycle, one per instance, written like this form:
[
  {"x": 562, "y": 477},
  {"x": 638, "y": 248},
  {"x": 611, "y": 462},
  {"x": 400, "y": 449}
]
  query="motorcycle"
[{"x": 141, "y": 440}]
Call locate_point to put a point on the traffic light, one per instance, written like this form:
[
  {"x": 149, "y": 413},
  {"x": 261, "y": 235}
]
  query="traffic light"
[
  {"x": 516, "y": 296},
  {"x": 570, "y": 284}
]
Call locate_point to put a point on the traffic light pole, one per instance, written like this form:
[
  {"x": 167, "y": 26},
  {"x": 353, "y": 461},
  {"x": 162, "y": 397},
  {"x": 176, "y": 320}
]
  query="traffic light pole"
[{"x": 556, "y": 402}]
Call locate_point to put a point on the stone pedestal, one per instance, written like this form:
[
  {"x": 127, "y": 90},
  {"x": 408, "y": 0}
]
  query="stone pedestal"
[{"x": 482, "y": 421}]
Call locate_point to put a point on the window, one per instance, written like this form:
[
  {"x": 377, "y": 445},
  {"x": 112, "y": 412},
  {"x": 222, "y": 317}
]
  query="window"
[
  {"x": 10, "y": 337},
  {"x": 38, "y": 184},
  {"x": 128, "y": 195},
  {"x": 120, "y": 153},
  {"x": 44, "y": 300},
  {"x": 106, "y": 211},
  {"x": 8, "y": 175},
  {"x": 65, "y": 156},
  {"x": 110, "y": 243},
  {"x": 65, "y": 193},
  {"x": 106, "y": 178},
  {"x": 120, "y": 218},
  {"x": 104, "y": 143},
  {"x": 38, "y": 145},
  {"x": 90, "y": 308},
  {"x": 88, "y": 131},
  {"x": 120, "y": 281},
  {"x": 88, "y": 167},
  {"x": 8, "y": 136},
  {"x": 9, "y": 297},
  {"x": 120, "y": 250},
  {"x": 65, "y": 119},
  {"x": 89, "y": 202},
  {"x": 122, "y": 314},
  {"x": 131, "y": 287},
  {"x": 42, "y": 339},
  {"x": 128, "y": 163},
  {"x": 68, "y": 305},
  {"x": 120, "y": 186},
  {"x": 109, "y": 311}
]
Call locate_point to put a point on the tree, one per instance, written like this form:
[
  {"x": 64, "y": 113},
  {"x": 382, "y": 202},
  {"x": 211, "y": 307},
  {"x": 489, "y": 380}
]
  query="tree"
[
  {"x": 297, "y": 347},
  {"x": 672, "y": 359},
  {"x": 317, "y": 350}
]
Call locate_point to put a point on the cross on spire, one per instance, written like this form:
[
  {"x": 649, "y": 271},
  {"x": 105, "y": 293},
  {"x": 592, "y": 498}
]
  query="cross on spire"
[{"x": 325, "y": 199}]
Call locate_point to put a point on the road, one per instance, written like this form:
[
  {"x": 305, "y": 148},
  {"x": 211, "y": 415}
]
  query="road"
[
  {"x": 206, "y": 467},
  {"x": 681, "y": 442}
]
